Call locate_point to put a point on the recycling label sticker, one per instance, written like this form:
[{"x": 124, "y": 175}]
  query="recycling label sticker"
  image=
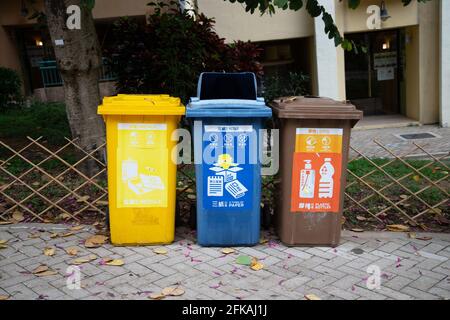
[
  {"x": 316, "y": 172},
  {"x": 142, "y": 170},
  {"x": 228, "y": 176}
]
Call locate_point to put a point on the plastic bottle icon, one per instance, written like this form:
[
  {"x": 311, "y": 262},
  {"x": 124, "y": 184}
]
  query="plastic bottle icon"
[
  {"x": 307, "y": 181},
  {"x": 326, "y": 183}
]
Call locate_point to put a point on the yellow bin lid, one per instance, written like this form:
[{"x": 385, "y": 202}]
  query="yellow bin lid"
[{"x": 140, "y": 104}]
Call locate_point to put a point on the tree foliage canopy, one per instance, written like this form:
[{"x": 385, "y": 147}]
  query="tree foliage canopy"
[{"x": 314, "y": 9}]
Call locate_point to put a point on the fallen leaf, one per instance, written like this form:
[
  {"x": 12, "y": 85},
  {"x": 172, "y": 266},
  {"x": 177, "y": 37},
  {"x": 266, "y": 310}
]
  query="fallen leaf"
[
  {"x": 115, "y": 262},
  {"x": 34, "y": 235},
  {"x": 2, "y": 223},
  {"x": 361, "y": 218},
  {"x": 357, "y": 230},
  {"x": 83, "y": 260},
  {"x": 411, "y": 235},
  {"x": 3, "y": 241},
  {"x": 311, "y": 297},
  {"x": 95, "y": 241},
  {"x": 3, "y": 246},
  {"x": 435, "y": 211},
  {"x": 424, "y": 238},
  {"x": 256, "y": 265},
  {"x": 244, "y": 260},
  {"x": 54, "y": 235},
  {"x": 49, "y": 252},
  {"x": 228, "y": 250},
  {"x": 160, "y": 251},
  {"x": 64, "y": 216},
  {"x": 76, "y": 228},
  {"x": 172, "y": 291},
  {"x": 2, "y": 297},
  {"x": 83, "y": 199},
  {"x": 40, "y": 269},
  {"x": 65, "y": 235},
  {"x": 72, "y": 251},
  {"x": 156, "y": 296},
  {"x": 47, "y": 273},
  {"x": 416, "y": 178},
  {"x": 397, "y": 228},
  {"x": 263, "y": 241},
  {"x": 18, "y": 216},
  {"x": 403, "y": 196}
]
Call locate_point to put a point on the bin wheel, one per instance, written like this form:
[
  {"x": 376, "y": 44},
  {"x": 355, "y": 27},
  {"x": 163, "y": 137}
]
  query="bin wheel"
[
  {"x": 193, "y": 217},
  {"x": 266, "y": 217},
  {"x": 178, "y": 220}
]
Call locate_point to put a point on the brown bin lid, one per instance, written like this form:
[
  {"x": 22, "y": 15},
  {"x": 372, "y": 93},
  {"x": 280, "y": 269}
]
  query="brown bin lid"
[{"x": 314, "y": 108}]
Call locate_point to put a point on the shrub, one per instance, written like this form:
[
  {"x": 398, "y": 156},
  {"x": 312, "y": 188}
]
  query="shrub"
[
  {"x": 292, "y": 84},
  {"x": 168, "y": 54},
  {"x": 10, "y": 88},
  {"x": 48, "y": 120}
]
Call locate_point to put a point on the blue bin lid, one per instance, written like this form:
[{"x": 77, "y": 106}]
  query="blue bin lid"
[{"x": 227, "y": 95}]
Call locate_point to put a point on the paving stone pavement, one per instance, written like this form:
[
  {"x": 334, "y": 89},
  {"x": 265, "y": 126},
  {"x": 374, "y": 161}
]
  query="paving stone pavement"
[
  {"x": 363, "y": 142},
  {"x": 409, "y": 268}
]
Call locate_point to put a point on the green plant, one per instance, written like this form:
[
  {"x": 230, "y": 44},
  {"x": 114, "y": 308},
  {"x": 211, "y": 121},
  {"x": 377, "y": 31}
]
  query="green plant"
[
  {"x": 168, "y": 54},
  {"x": 10, "y": 88},
  {"x": 48, "y": 120},
  {"x": 292, "y": 84},
  {"x": 315, "y": 10}
]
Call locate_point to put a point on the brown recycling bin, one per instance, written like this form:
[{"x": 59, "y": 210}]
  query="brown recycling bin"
[{"x": 314, "y": 146}]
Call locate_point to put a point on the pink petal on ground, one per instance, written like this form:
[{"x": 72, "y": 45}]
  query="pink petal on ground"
[
  {"x": 281, "y": 281},
  {"x": 353, "y": 288},
  {"x": 217, "y": 273}
]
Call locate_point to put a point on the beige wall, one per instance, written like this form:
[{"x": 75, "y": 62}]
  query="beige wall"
[
  {"x": 233, "y": 23},
  {"x": 340, "y": 23},
  {"x": 422, "y": 68},
  {"x": 429, "y": 62},
  {"x": 355, "y": 20},
  {"x": 10, "y": 10},
  {"x": 412, "y": 74}
]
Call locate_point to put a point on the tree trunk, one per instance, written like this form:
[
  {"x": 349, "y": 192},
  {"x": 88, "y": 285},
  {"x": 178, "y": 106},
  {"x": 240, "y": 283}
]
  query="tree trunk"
[{"x": 79, "y": 60}]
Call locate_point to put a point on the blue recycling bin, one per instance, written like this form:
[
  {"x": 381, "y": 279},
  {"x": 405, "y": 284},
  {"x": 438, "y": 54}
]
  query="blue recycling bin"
[{"x": 226, "y": 117}]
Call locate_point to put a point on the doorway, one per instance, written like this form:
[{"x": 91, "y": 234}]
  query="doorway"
[{"x": 374, "y": 78}]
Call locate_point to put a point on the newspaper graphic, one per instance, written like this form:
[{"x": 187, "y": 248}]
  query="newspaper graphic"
[
  {"x": 225, "y": 173},
  {"x": 236, "y": 189},
  {"x": 215, "y": 186}
]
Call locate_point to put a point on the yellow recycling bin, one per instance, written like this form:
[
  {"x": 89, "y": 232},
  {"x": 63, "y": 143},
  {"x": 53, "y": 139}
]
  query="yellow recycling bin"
[{"x": 141, "y": 173}]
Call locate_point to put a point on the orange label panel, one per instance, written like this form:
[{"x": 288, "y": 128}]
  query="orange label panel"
[
  {"x": 318, "y": 140},
  {"x": 316, "y": 173}
]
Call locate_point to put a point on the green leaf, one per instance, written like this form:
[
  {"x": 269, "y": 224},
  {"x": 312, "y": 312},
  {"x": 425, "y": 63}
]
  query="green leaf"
[
  {"x": 353, "y": 4},
  {"x": 89, "y": 4},
  {"x": 244, "y": 260},
  {"x": 280, "y": 3}
]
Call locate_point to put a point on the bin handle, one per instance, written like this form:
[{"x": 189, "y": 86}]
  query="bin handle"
[
  {"x": 227, "y": 103},
  {"x": 149, "y": 100}
]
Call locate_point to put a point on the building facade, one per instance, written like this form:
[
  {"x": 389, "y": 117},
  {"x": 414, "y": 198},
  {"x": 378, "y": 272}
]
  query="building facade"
[{"x": 403, "y": 72}]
